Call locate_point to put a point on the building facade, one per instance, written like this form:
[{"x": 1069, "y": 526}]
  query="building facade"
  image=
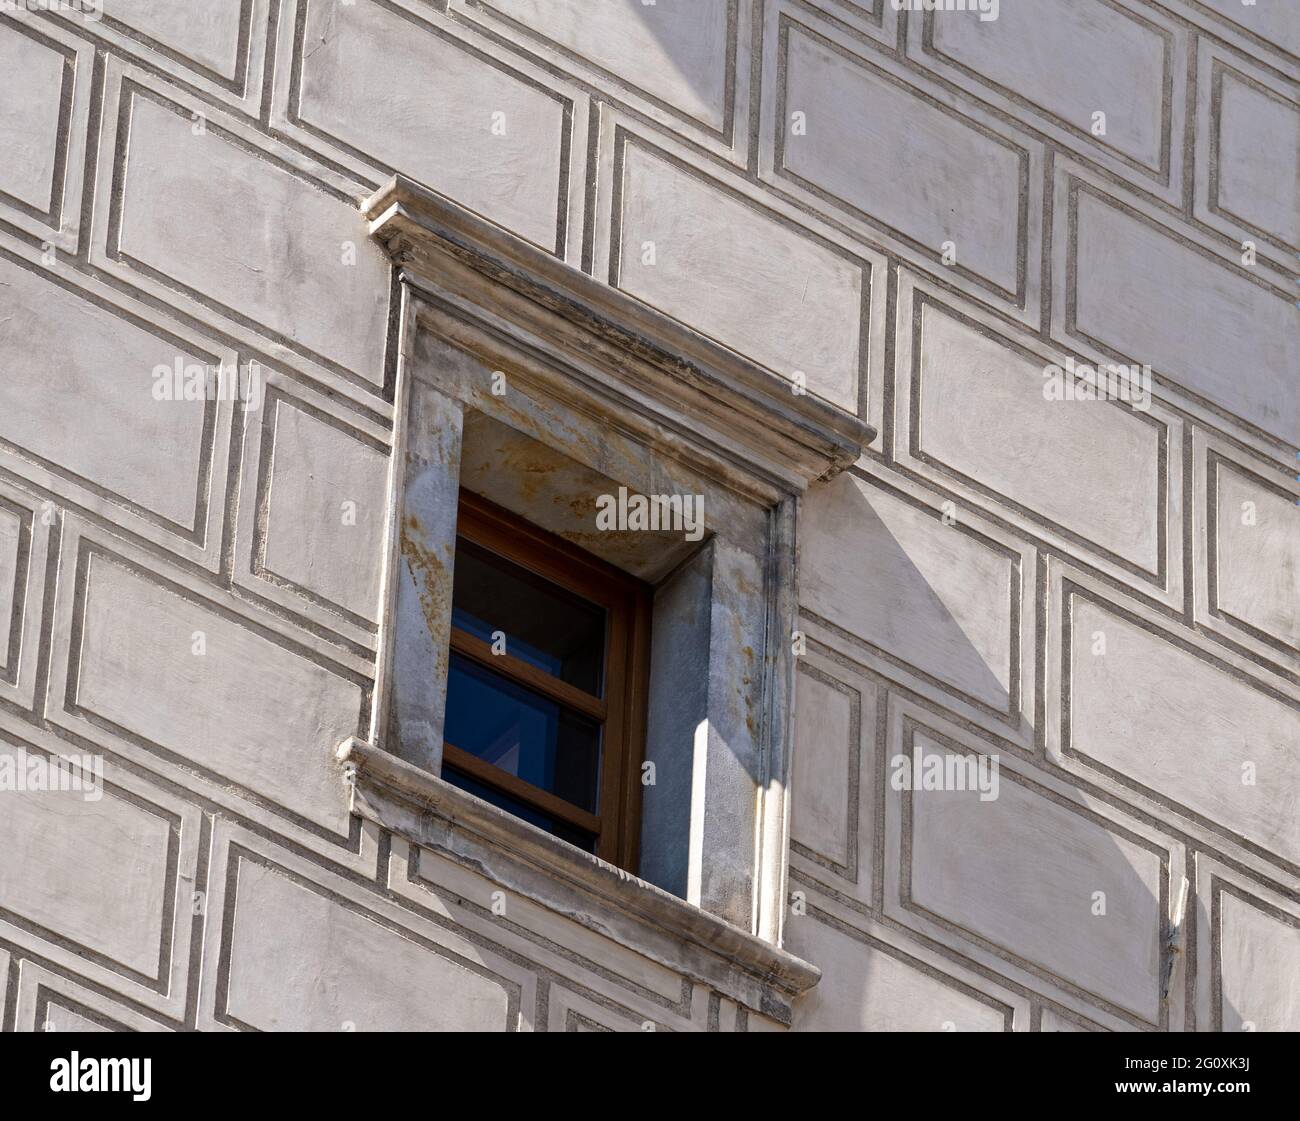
[{"x": 954, "y": 344}]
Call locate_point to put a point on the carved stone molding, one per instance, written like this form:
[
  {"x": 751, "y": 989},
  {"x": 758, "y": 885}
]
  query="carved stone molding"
[
  {"x": 726, "y": 404},
  {"x": 588, "y": 376},
  {"x": 435, "y": 814}
]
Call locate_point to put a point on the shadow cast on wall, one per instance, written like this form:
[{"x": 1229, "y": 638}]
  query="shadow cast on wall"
[{"x": 1031, "y": 875}]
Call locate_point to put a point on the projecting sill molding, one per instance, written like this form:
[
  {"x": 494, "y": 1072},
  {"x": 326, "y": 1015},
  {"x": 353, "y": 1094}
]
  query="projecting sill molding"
[{"x": 522, "y": 858}]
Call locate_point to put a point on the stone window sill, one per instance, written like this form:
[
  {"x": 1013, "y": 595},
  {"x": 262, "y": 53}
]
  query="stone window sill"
[{"x": 678, "y": 935}]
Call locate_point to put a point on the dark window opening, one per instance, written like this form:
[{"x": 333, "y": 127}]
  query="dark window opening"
[{"x": 547, "y": 682}]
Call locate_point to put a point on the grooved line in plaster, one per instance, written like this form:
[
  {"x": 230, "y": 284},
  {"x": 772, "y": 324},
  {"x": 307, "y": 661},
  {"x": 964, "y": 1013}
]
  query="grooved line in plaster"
[
  {"x": 53, "y": 215},
  {"x": 1160, "y": 577},
  {"x": 853, "y": 752},
  {"x": 72, "y": 707},
  {"x": 294, "y": 108},
  {"x": 1213, "y": 461},
  {"x": 929, "y": 970},
  {"x": 1160, "y": 171},
  {"x": 1218, "y": 71},
  {"x": 17, "y": 613},
  {"x": 237, "y": 854},
  {"x": 726, "y": 133},
  {"x": 1069, "y": 592},
  {"x": 1017, "y": 297},
  {"x": 623, "y": 138},
  {"x": 113, "y": 248},
  {"x": 910, "y": 727},
  {"x": 1218, "y": 888},
  {"x": 160, "y": 980}
]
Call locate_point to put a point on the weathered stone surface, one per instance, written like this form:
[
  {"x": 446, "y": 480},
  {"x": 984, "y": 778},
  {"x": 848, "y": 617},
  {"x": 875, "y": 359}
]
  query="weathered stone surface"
[
  {"x": 366, "y": 81},
  {"x": 448, "y": 879},
  {"x": 523, "y": 475},
  {"x": 740, "y": 276},
  {"x": 670, "y": 832}
]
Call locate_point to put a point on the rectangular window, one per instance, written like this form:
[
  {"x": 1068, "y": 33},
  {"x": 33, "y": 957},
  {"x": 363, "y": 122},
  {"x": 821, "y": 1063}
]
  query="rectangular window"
[{"x": 547, "y": 683}]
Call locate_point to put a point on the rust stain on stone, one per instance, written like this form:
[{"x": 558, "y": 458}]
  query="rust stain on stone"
[
  {"x": 583, "y": 507},
  {"x": 428, "y": 571},
  {"x": 527, "y": 468}
]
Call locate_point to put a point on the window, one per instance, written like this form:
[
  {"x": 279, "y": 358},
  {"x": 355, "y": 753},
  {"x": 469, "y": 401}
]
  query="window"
[
  {"x": 547, "y": 681},
  {"x": 615, "y": 394}
]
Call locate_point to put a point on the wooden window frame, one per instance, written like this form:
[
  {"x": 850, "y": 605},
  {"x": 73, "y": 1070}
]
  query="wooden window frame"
[{"x": 621, "y": 708}]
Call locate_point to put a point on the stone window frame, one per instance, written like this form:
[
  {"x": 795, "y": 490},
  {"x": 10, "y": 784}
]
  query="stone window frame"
[{"x": 623, "y": 390}]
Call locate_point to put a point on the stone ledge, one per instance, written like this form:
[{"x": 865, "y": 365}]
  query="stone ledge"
[
  {"x": 732, "y": 400},
  {"x": 647, "y": 920}
]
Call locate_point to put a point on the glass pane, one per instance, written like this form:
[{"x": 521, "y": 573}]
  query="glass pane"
[
  {"x": 524, "y": 734},
  {"x": 561, "y": 829},
  {"x": 544, "y": 625}
]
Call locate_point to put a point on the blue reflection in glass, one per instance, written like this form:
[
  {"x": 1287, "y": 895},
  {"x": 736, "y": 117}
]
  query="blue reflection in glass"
[{"x": 523, "y": 734}]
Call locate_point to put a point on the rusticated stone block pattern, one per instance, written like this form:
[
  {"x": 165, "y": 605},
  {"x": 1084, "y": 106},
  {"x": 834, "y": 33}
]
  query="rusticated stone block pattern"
[{"x": 916, "y": 216}]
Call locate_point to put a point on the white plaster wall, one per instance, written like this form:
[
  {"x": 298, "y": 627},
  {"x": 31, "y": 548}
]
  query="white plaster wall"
[{"x": 915, "y": 212}]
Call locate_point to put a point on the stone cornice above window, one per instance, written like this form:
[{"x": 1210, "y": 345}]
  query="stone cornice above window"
[
  {"x": 524, "y": 859},
  {"x": 679, "y": 379}
]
